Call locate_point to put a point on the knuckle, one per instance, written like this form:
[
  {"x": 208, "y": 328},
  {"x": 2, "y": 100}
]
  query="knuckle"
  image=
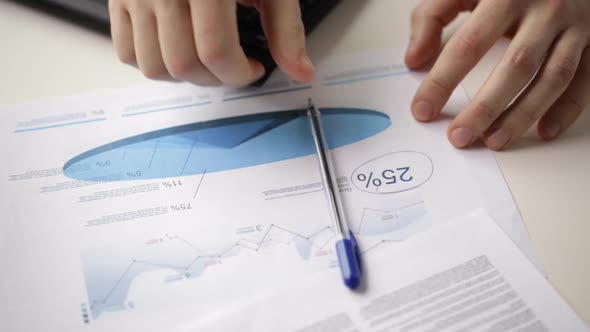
[
  {"x": 440, "y": 88},
  {"x": 292, "y": 32},
  {"x": 573, "y": 103},
  {"x": 524, "y": 61},
  {"x": 484, "y": 113},
  {"x": 560, "y": 71},
  {"x": 468, "y": 44},
  {"x": 528, "y": 115},
  {"x": 440, "y": 85}
]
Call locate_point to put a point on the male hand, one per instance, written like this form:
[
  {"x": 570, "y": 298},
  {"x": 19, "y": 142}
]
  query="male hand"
[
  {"x": 544, "y": 75},
  {"x": 198, "y": 41}
]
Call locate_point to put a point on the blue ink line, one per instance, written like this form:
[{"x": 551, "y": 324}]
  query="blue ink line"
[
  {"x": 59, "y": 125},
  {"x": 366, "y": 78},
  {"x": 268, "y": 93},
  {"x": 168, "y": 108}
]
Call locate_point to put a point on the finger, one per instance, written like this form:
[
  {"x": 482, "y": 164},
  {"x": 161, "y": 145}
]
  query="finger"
[
  {"x": 475, "y": 37},
  {"x": 570, "y": 105},
  {"x": 218, "y": 42},
  {"x": 281, "y": 21},
  {"x": 122, "y": 32},
  {"x": 427, "y": 23},
  {"x": 175, "y": 33},
  {"x": 147, "y": 46},
  {"x": 550, "y": 82},
  {"x": 515, "y": 70}
]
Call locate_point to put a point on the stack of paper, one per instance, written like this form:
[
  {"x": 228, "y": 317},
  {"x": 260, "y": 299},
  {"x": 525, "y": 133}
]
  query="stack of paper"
[{"x": 174, "y": 207}]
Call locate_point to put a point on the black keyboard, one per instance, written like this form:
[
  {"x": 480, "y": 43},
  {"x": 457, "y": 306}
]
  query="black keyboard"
[{"x": 94, "y": 14}]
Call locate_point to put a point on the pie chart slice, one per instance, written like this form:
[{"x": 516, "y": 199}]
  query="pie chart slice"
[{"x": 222, "y": 144}]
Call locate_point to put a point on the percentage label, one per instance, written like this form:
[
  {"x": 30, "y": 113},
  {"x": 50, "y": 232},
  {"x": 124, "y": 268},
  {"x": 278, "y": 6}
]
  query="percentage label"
[
  {"x": 172, "y": 184},
  {"x": 181, "y": 207},
  {"x": 134, "y": 174},
  {"x": 103, "y": 163},
  {"x": 154, "y": 241},
  {"x": 393, "y": 172},
  {"x": 387, "y": 177}
]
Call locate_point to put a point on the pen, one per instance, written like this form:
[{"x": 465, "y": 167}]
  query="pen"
[{"x": 347, "y": 250}]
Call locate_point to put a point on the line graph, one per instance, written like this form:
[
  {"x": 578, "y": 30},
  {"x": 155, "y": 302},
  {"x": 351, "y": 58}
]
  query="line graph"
[
  {"x": 242, "y": 243},
  {"x": 187, "y": 259},
  {"x": 200, "y": 260}
]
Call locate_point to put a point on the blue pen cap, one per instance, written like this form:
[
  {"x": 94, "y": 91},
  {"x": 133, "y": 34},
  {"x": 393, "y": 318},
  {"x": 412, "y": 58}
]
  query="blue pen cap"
[{"x": 349, "y": 260}]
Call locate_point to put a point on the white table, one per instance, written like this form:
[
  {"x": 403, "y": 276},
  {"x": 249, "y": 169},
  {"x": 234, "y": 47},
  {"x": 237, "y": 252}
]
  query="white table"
[{"x": 44, "y": 57}]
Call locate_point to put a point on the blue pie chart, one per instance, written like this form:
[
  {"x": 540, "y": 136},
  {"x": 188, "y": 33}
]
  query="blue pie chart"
[{"x": 222, "y": 144}]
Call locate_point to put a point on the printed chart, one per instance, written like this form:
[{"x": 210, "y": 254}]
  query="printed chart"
[
  {"x": 221, "y": 145},
  {"x": 177, "y": 155}
]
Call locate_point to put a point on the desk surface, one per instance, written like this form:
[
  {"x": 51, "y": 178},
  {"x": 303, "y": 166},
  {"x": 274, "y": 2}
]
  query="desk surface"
[{"x": 44, "y": 57}]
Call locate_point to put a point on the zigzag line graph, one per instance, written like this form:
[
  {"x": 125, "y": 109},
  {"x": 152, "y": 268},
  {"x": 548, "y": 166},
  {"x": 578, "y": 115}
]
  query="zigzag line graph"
[
  {"x": 253, "y": 246},
  {"x": 113, "y": 297}
]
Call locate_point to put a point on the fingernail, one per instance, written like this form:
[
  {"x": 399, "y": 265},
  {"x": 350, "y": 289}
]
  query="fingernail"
[
  {"x": 552, "y": 129},
  {"x": 423, "y": 111},
  {"x": 498, "y": 139},
  {"x": 461, "y": 137}
]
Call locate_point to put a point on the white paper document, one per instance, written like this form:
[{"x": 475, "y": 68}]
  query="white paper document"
[
  {"x": 166, "y": 206},
  {"x": 464, "y": 276}
]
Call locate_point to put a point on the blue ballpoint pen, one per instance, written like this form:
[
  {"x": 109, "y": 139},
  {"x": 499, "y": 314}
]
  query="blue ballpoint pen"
[{"x": 347, "y": 249}]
